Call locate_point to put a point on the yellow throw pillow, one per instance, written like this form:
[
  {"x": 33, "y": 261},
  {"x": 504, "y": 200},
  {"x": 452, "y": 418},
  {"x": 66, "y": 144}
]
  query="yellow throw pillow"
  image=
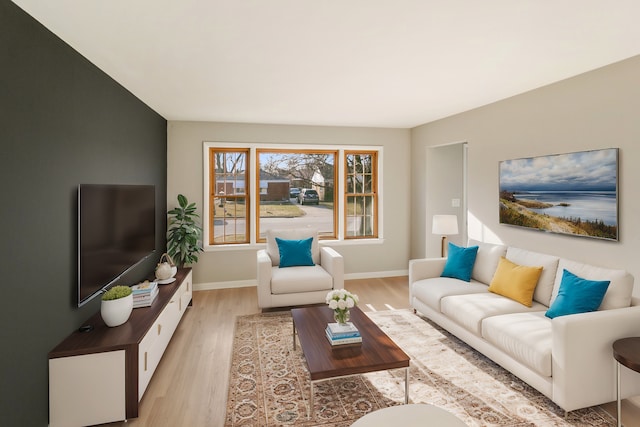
[{"x": 517, "y": 282}]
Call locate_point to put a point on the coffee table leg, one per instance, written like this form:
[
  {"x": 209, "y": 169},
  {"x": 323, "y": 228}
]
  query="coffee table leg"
[
  {"x": 311, "y": 402},
  {"x": 406, "y": 386},
  {"x": 294, "y": 335}
]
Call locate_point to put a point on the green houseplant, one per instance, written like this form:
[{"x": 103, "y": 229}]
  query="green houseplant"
[
  {"x": 183, "y": 239},
  {"x": 117, "y": 305}
]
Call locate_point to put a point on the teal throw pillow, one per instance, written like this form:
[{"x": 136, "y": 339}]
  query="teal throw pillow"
[
  {"x": 294, "y": 253},
  {"x": 577, "y": 295},
  {"x": 460, "y": 262}
]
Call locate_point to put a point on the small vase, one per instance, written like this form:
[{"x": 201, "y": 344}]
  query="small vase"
[
  {"x": 116, "y": 312},
  {"x": 341, "y": 316}
]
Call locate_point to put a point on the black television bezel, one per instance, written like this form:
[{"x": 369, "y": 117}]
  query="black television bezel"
[{"x": 111, "y": 282}]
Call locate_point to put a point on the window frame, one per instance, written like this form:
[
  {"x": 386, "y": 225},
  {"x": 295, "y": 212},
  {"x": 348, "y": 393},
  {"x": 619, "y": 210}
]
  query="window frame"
[
  {"x": 374, "y": 193},
  {"x": 339, "y": 190},
  {"x": 334, "y": 152},
  {"x": 212, "y": 193}
]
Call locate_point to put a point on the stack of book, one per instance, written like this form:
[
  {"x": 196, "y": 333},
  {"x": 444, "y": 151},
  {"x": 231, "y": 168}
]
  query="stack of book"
[
  {"x": 144, "y": 293},
  {"x": 338, "y": 334}
]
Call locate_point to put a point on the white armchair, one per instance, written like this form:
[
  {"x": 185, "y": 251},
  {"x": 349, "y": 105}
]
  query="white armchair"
[{"x": 297, "y": 285}]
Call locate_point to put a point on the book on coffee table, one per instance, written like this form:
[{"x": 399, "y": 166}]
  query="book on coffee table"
[
  {"x": 343, "y": 340},
  {"x": 337, "y": 330}
]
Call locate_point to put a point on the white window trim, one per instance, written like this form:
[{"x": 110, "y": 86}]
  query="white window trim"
[{"x": 254, "y": 192}]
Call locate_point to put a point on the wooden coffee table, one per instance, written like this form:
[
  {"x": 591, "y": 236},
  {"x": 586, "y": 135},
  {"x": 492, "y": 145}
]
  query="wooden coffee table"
[{"x": 376, "y": 352}]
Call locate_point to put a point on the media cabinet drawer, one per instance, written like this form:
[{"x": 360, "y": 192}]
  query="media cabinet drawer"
[{"x": 155, "y": 342}]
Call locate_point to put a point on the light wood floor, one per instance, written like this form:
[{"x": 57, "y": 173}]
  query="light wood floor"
[{"x": 189, "y": 387}]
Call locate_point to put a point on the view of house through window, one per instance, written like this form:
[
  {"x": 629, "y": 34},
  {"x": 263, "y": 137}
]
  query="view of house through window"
[
  {"x": 229, "y": 190},
  {"x": 256, "y": 187},
  {"x": 296, "y": 190}
]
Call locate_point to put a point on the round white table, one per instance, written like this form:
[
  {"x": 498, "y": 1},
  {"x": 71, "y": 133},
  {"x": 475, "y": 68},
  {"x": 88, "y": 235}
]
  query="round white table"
[{"x": 413, "y": 415}]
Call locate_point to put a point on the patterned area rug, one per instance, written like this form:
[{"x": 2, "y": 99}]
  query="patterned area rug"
[{"x": 269, "y": 384}]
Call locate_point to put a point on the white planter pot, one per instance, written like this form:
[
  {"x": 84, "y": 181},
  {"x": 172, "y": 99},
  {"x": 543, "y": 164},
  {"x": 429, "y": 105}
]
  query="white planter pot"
[{"x": 116, "y": 312}]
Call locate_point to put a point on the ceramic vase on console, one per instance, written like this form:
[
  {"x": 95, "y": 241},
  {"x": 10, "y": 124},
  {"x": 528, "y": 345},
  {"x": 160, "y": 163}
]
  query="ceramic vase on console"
[{"x": 116, "y": 312}]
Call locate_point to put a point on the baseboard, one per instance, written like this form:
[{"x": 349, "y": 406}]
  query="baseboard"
[
  {"x": 376, "y": 274},
  {"x": 248, "y": 283}
]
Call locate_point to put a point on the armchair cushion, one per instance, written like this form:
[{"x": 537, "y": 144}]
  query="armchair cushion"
[
  {"x": 295, "y": 253},
  {"x": 300, "y": 279},
  {"x": 291, "y": 234}
]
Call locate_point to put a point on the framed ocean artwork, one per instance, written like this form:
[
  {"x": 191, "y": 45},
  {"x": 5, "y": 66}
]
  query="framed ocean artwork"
[{"x": 574, "y": 193}]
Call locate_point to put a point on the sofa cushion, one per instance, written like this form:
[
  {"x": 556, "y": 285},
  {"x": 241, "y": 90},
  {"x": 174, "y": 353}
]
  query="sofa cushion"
[
  {"x": 291, "y": 234},
  {"x": 288, "y": 280},
  {"x": 549, "y": 265},
  {"x": 486, "y": 260},
  {"x": 296, "y": 252},
  {"x": 470, "y": 310},
  {"x": 618, "y": 293},
  {"x": 527, "y": 337},
  {"x": 431, "y": 291},
  {"x": 577, "y": 295},
  {"x": 515, "y": 281},
  {"x": 460, "y": 262}
]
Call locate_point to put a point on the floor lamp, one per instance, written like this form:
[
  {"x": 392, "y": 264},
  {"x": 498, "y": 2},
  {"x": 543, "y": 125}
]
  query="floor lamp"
[{"x": 444, "y": 225}]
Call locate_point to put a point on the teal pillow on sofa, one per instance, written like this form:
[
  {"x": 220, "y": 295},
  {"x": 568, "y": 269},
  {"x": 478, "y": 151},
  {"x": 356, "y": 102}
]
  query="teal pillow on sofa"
[
  {"x": 294, "y": 253},
  {"x": 460, "y": 262},
  {"x": 577, "y": 295}
]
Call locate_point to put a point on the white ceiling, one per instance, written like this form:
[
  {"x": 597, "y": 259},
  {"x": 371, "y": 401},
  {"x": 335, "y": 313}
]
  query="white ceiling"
[{"x": 380, "y": 63}]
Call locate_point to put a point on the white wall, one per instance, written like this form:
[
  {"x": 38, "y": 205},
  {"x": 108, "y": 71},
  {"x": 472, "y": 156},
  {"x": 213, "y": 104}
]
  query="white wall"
[
  {"x": 230, "y": 267},
  {"x": 599, "y": 109}
]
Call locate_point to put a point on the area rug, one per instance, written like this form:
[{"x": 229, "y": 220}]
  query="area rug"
[{"x": 269, "y": 382}]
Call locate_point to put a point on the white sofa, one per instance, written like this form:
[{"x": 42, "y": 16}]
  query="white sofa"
[{"x": 569, "y": 358}]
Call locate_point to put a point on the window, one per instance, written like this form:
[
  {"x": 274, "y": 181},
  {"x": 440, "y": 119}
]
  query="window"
[
  {"x": 312, "y": 174},
  {"x": 228, "y": 196},
  {"x": 361, "y": 203},
  {"x": 252, "y": 188}
]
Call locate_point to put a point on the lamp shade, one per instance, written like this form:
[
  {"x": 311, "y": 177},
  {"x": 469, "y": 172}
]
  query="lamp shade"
[{"x": 445, "y": 225}]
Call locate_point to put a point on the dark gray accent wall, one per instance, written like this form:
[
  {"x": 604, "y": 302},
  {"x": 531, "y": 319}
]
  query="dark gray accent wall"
[{"x": 62, "y": 122}]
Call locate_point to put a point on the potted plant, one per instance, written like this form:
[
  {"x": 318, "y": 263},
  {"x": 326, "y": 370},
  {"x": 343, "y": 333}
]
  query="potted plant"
[
  {"x": 183, "y": 239},
  {"x": 117, "y": 305}
]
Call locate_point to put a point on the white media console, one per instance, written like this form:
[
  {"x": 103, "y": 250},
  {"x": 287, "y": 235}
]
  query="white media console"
[{"x": 100, "y": 376}]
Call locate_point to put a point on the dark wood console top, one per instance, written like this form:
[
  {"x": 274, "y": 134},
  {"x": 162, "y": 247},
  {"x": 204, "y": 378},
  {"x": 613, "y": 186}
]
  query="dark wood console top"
[{"x": 103, "y": 338}]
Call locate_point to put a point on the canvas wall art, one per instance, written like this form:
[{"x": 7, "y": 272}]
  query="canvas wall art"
[{"x": 574, "y": 193}]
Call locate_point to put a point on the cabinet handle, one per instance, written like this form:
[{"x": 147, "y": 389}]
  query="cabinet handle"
[
  {"x": 145, "y": 360},
  {"x": 159, "y": 328}
]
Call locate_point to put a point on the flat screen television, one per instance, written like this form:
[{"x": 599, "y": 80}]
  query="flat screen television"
[{"x": 116, "y": 232}]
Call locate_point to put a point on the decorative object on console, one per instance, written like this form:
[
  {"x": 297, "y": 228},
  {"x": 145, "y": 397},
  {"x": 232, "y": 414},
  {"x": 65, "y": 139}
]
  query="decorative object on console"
[
  {"x": 166, "y": 268},
  {"x": 144, "y": 293},
  {"x": 340, "y": 301},
  {"x": 444, "y": 225},
  {"x": 117, "y": 305},
  {"x": 183, "y": 238},
  {"x": 574, "y": 193}
]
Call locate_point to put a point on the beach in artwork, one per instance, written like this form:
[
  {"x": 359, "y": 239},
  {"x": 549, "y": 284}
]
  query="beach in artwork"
[{"x": 572, "y": 193}]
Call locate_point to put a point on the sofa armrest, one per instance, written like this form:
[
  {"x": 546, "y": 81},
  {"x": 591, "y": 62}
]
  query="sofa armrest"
[
  {"x": 264, "y": 278},
  {"x": 425, "y": 268},
  {"x": 584, "y": 372},
  {"x": 333, "y": 262}
]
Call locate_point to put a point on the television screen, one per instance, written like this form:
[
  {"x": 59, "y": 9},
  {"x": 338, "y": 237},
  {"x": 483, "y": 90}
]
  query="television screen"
[{"x": 116, "y": 231}]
